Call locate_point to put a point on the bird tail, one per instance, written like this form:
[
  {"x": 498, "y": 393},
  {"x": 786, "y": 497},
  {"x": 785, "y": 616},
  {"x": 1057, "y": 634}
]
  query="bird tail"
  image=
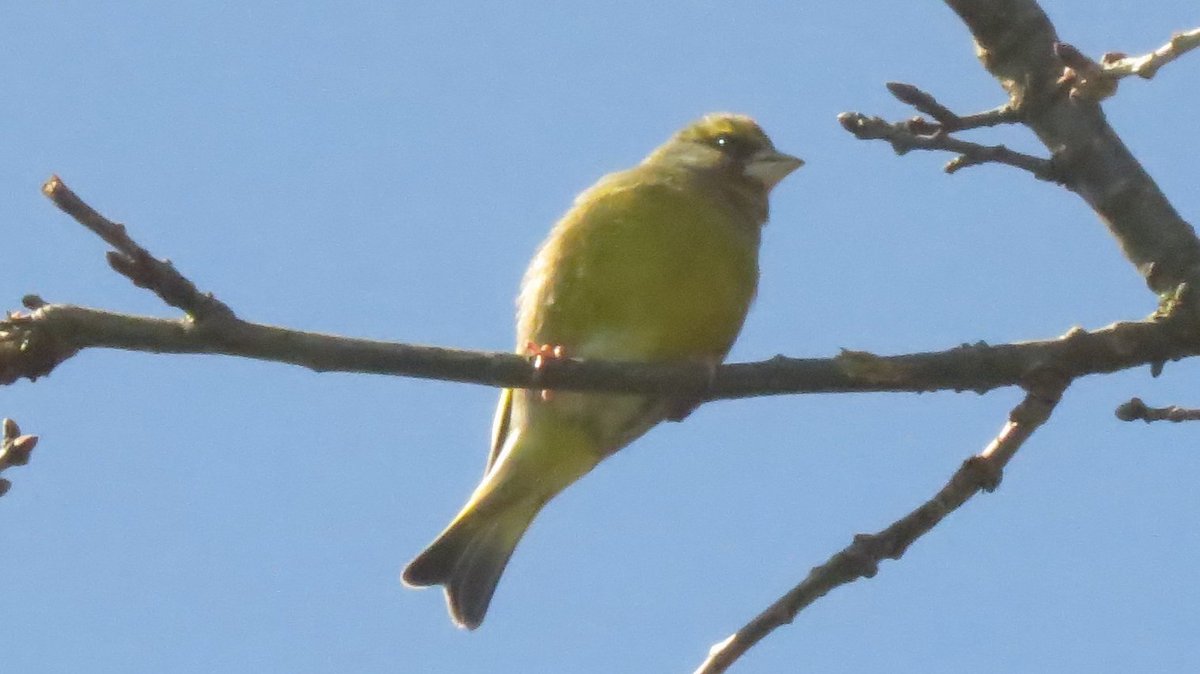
[{"x": 469, "y": 556}]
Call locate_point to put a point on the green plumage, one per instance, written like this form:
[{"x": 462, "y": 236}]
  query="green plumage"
[{"x": 656, "y": 263}]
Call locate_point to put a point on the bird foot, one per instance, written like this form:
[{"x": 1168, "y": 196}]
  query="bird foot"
[{"x": 541, "y": 354}]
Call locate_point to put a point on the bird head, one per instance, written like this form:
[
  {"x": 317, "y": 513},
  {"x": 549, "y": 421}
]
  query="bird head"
[{"x": 728, "y": 143}]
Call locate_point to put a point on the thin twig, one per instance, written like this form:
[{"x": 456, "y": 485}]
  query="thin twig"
[
  {"x": 31, "y": 345},
  {"x": 944, "y": 118},
  {"x": 1096, "y": 81},
  {"x": 1135, "y": 410},
  {"x": 861, "y": 558},
  {"x": 14, "y": 450},
  {"x": 136, "y": 263},
  {"x": 903, "y": 139},
  {"x": 1147, "y": 65}
]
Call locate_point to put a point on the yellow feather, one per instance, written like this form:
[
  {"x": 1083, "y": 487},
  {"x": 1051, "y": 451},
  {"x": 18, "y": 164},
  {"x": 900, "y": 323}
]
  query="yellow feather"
[{"x": 656, "y": 263}]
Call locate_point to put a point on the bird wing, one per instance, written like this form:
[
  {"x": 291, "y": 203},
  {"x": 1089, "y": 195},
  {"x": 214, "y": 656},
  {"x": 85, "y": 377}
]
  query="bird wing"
[
  {"x": 645, "y": 266},
  {"x": 500, "y": 427}
]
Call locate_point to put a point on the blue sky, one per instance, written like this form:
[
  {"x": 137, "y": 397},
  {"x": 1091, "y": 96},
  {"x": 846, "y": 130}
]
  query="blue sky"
[{"x": 386, "y": 172}]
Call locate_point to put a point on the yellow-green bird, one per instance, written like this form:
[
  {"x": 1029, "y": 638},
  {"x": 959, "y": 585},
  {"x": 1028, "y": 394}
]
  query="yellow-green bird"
[{"x": 655, "y": 263}]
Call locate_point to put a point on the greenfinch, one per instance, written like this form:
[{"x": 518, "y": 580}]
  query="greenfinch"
[{"x": 655, "y": 263}]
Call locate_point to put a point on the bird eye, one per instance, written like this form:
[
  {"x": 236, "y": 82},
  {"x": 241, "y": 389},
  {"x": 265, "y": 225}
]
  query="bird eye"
[{"x": 731, "y": 145}]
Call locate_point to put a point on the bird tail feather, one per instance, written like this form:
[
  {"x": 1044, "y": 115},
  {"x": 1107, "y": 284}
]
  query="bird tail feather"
[{"x": 469, "y": 557}]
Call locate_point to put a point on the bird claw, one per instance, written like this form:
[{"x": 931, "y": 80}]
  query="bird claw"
[{"x": 541, "y": 354}]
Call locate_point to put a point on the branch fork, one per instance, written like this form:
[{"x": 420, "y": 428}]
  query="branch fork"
[{"x": 920, "y": 133}]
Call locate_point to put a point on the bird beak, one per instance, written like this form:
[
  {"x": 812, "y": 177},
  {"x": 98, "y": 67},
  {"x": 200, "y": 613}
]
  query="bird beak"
[{"x": 769, "y": 166}]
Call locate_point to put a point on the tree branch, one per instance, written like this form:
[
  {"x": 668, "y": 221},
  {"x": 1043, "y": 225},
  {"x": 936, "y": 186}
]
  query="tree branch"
[
  {"x": 861, "y": 558},
  {"x": 909, "y": 135},
  {"x": 134, "y": 262},
  {"x": 33, "y": 344},
  {"x": 1018, "y": 45},
  {"x": 1016, "y": 42},
  {"x": 1094, "y": 81},
  {"x": 14, "y": 450},
  {"x": 947, "y": 120},
  {"x": 1146, "y": 66},
  {"x": 1047, "y": 81},
  {"x": 1135, "y": 409}
]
